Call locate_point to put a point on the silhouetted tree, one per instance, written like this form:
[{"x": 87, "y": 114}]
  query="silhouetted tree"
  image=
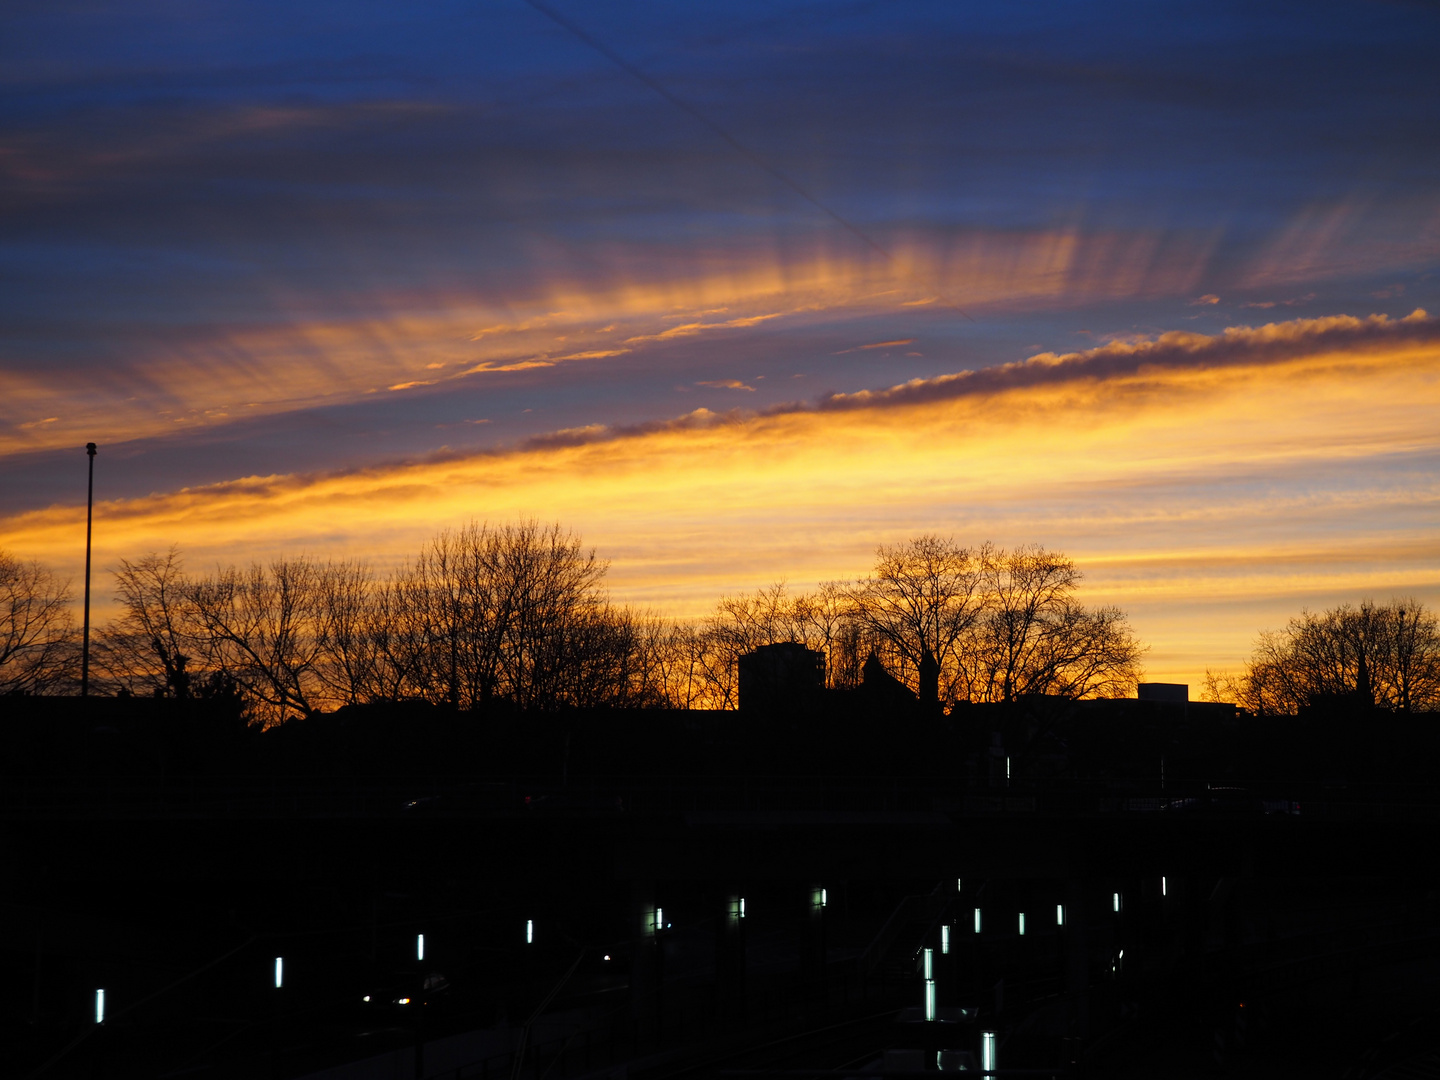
[
  {"x": 551, "y": 588},
  {"x": 921, "y": 600},
  {"x": 259, "y": 628},
  {"x": 952, "y": 623},
  {"x": 1372, "y": 655},
  {"x": 678, "y": 664},
  {"x": 149, "y": 649},
  {"x": 37, "y": 631},
  {"x": 825, "y": 620},
  {"x": 517, "y": 613},
  {"x": 1034, "y": 637},
  {"x": 488, "y": 612},
  {"x": 348, "y": 637}
]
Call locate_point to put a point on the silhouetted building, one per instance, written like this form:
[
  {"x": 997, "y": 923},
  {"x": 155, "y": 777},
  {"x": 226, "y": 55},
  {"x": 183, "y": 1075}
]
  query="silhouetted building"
[
  {"x": 1175, "y": 693},
  {"x": 784, "y": 675},
  {"x": 881, "y": 690},
  {"x": 929, "y": 679}
]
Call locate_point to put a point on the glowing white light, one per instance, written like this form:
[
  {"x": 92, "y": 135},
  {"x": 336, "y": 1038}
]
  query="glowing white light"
[
  {"x": 607, "y": 956},
  {"x": 1007, "y": 768},
  {"x": 365, "y": 998},
  {"x": 1117, "y": 901},
  {"x": 929, "y": 999},
  {"x": 1059, "y": 914},
  {"x": 987, "y": 1052},
  {"x": 945, "y": 940},
  {"x": 1163, "y": 890},
  {"x": 959, "y": 884},
  {"x": 1022, "y": 924},
  {"x": 99, "y": 1006},
  {"x": 659, "y": 918},
  {"x": 742, "y": 907},
  {"x": 977, "y": 920},
  {"x": 929, "y": 964},
  {"x": 822, "y": 897},
  {"x": 529, "y": 931},
  {"x": 403, "y": 1001},
  {"x": 279, "y": 972},
  {"x": 419, "y": 946}
]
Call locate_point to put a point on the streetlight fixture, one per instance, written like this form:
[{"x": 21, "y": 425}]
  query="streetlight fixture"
[{"x": 89, "y": 521}]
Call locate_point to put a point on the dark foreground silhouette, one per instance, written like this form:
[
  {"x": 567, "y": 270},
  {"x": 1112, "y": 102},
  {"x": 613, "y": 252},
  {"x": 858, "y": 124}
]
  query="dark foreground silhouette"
[{"x": 1201, "y": 892}]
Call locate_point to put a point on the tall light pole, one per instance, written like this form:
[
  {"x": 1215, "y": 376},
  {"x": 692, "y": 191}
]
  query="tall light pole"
[{"x": 89, "y": 520}]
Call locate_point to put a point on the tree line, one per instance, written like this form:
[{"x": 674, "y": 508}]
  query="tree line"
[
  {"x": 1373, "y": 655},
  {"x": 518, "y": 614}
]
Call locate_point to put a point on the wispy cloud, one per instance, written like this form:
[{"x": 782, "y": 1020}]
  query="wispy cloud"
[
  {"x": 690, "y": 328},
  {"x": 878, "y": 345},
  {"x": 1268, "y": 344},
  {"x": 1265, "y": 467}
]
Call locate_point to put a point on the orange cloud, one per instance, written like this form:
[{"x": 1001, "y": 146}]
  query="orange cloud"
[
  {"x": 228, "y": 373},
  {"x": 878, "y": 345},
  {"x": 1210, "y": 485}
]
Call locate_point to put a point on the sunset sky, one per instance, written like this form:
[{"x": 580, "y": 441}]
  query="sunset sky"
[{"x": 737, "y": 291}]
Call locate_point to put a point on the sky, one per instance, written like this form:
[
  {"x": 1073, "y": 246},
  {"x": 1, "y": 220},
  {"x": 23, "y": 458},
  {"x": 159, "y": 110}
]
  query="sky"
[{"x": 738, "y": 292}]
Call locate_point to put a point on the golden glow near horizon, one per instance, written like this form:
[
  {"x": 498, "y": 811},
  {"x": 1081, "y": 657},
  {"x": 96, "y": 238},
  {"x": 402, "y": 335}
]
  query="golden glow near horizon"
[{"x": 1209, "y": 500}]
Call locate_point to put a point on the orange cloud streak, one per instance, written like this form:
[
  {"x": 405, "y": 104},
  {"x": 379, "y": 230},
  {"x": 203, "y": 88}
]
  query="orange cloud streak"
[
  {"x": 1211, "y": 485},
  {"x": 232, "y": 373}
]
